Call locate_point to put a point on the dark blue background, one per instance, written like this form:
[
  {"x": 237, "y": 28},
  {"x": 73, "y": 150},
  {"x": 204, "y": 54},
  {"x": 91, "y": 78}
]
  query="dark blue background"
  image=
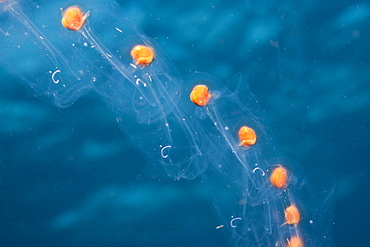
[{"x": 68, "y": 177}]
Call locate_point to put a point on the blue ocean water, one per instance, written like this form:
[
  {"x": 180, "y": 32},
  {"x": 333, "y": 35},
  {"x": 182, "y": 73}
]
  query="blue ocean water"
[{"x": 70, "y": 178}]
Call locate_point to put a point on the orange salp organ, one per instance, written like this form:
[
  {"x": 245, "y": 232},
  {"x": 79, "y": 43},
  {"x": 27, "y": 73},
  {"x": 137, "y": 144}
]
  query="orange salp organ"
[
  {"x": 295, "y": 241},
  {"x": 74, "y": 18},
  {"x": 292, "y": 215},
  {"x": 143, "y": 55},
  {"x": 247, "y": 136},
  {"x": 279, "y": 177},
  {"x": 200, "y": 95}
]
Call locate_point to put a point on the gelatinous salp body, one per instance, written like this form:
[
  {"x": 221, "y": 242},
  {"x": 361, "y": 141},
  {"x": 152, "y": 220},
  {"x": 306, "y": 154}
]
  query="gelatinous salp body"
[
  {"x": 142, "y": 89},
  {"x": 254, "y": 179},
  {"x": 66, "y": 50},
  {"x": 47, "y": 63}
]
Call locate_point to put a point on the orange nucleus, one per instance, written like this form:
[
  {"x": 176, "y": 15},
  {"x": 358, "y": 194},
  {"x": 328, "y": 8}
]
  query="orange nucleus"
[
  {"x": 279, "y": 177},
  {"x": 143, "y": 55},
  {"x": 74, "y": 18},
  {"x": 247, "y": 136},
  {"x": 295, "y": 242},
  {"x": 292, "y": 215},
  {"x": 200, "y": 95}
]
